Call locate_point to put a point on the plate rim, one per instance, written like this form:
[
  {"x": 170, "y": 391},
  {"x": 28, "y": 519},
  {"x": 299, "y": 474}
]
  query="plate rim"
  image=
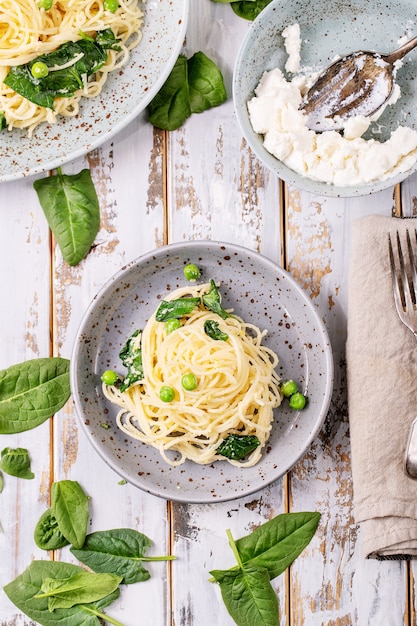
[{"x": 327, "y": 352}]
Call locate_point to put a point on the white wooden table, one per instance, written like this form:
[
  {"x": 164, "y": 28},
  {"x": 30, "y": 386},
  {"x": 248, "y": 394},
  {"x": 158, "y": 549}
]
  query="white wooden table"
[{"x": 200, "y": 182}]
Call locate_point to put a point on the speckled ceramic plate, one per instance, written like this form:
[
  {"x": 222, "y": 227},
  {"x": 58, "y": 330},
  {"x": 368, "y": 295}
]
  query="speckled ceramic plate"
[
  {"x": 328, "y": 29},
  {"x": 259, "y": 291},
  {"x": 124, "y": 96}
]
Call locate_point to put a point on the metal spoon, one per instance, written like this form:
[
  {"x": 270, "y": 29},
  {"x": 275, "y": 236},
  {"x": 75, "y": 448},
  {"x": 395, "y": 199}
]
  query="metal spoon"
[
  {"x": 358, "y": 84},
  {"x": 410, "y": 461}
]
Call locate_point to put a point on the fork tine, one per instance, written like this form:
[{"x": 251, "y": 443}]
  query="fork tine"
[
  {"x": 395, "y": 285},
  {"x": 408, "y": 301},
  {"x": 413, "y": 264},
  {"x": 404, "y": 289}
]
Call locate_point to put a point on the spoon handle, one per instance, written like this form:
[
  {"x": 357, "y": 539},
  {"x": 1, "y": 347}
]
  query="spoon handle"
[{"x": 401, "y": 52}]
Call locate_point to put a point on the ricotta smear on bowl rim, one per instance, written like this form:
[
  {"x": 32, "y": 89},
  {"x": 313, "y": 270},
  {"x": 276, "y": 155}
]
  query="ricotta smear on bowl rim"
[{"x": 329, "y": 157}]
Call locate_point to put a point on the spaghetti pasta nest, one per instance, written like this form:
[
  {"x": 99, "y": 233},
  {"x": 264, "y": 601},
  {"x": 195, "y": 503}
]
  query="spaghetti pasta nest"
[
  {"x": 237, "y": 390},
  {"x": 27, "y": 31}
]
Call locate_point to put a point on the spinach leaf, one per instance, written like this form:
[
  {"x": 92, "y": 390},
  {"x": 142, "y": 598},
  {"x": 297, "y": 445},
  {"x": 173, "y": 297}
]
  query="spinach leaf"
[
  {"x": 249, "y": 9},
  {"x": 236, "y": 447},
  {"x": 81, "y": 588},
  {"x": 193, "y": 86},
  {"x": 212, "y": 301},
  {"x": 23, "y": 589},
  {"x": 3, "y": 121},
  {"x": 247, "y": 592},
  {"x": 205, "y": 83},
  {"x": 175, "y": 309},
  {"x": 120, "y": 551},
  {"x": 211, "y": 328},
  {"x": 1, "y": 482},
  {"x": 78, "y": 59},
  {"x": 261, "y": 556},
  {"x": 249, "y": 596},
  {"x": 70, "y": 508},
  {"x": 278, "y": 542},
  {"x": 171, "y": 106},
  {"x": 72, "y": 210},
  {"x": 16, "y": 462},
  {"x": 31, "y": 392},
  {"x": 131, "y": 357},
  {"x": 47, "y": 535}
]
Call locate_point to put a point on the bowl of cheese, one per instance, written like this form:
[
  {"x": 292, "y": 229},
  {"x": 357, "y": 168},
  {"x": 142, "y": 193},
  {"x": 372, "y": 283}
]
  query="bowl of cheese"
[{"x": 284, "y": 50}]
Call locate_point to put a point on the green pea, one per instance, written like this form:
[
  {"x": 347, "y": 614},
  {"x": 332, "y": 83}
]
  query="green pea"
[
  {"x": 39, "y": 69},
  {"x": 167, "y": 394},
  {"x": 171, "y": 325},
  {"x": 297, "y": 401},
  {"x": 189, "y": 382},
  {"x": 288, "y": 388},
  {"x": 109, "y": 377},
  {"x": 45, "y": 4},
  {"x": 111, "y": 5},
  {"x": 191, "y": 272}
]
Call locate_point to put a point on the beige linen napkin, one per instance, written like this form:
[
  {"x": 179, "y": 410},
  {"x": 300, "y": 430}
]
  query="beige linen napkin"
[{"x": 382, "y": 395}]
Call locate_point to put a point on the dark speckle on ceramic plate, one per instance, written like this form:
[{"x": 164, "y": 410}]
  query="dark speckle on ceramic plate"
[
  {"x": 126, "y": 94},
  {"x": 259, "y": 291}
]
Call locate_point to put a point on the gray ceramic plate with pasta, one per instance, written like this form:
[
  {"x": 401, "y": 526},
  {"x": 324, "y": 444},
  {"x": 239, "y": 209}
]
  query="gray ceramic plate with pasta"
[
  {"x": 124, "y": 96},
  {"x": 257, "y": 290}
]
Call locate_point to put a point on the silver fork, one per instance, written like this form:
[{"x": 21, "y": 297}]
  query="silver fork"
[{"x": 405, "y": 297}]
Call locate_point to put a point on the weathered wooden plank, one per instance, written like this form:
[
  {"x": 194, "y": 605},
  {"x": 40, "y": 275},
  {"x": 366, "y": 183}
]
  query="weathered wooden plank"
[
  {"x": 218, "y": 190},
  {"x": 128, "y": 176},
  {"x": 331, "y": 582},
  {"x": 24, "y": 334}
]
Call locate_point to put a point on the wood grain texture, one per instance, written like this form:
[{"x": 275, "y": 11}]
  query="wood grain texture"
[
  {"x": 129, "y": 180},
  {"x": 333, "y": 583},
  {"x": 24, "y": 334},
  {"x": 200, "y": 182}
]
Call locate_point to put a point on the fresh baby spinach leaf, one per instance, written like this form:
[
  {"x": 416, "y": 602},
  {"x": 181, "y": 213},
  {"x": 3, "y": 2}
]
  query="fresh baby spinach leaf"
[
  {"x": 236, "y": 447},
  {"x": 47, "y": 535},
  {"x": 278, "y": 542},
  {"x": 1, "y": 482},
  {"x": 81, "y": 588},
  {"x": 175, "y": 309},
  {"x": 70, "y": 508},
  {"x": 16, "y": 462},
  {"x": 211, "y": 328},
  {"x": 248, "y": 9},
  {"x": 205, "y": 83},
  {"x": 131, "y": 357},
  {"x": 248, "y": 596},
  {"x": 31, "y": 392},
  {"x": 171, "y": 105},
  {"x": 66, "y": 69},
  {"x": 261, "y": 556},
  {"x": 72, "y": 210},
  {"x": 120, "y": 551},
  {"x": 212, "y": 301},
  {"x": 193, "y": 86},
  {"x": 22, "y": 591}
]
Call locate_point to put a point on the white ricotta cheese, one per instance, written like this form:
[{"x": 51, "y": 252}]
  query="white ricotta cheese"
[
  {"x": 292, "y": 43},
  {"x": 329, "y": 157}
]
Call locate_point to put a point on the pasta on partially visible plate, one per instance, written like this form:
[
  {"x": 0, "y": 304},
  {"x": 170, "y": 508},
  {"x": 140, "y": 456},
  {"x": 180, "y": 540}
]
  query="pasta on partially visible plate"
[
  {"x": 200, "y": 384},
  {"x": 28, "y": 31}
]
